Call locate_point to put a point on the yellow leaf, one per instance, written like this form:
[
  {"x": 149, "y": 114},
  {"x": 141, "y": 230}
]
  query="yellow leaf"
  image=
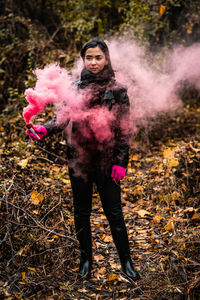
[
  {"x": 158, "y": 218},
  {"x": 114, "y": 266},
  {"x": 64, "y": 180},
  {"x": 142, "y": 213},
  {"x": 138, "y": 164},
  {"x": 195, "y": 216},
  {"x": 23, "y": 163},
  {"x": 135, "y": 157},
  {"x": 107, "y": 238},
  {"x": 56, "y": 169},
  {"x": 98, "y": 257},
  {"x": 55, "y": 236},
  {"x": 152, "y": 239},
  {"x": 190, "y": 28},
  {"x": 168, "y": 153},
  {"x": 176, "y": 195},
  {"x": 157, "y": 169},
  {"x": 138, "y": 189},
  {"x": 65, "y": 190},
  {"x": 169, "y": 226},
  {"x": 173, "y": 162},
  {"x": 20, "y": 251},
  {"x": 162, "y": 9},
  {"x": 32, "y": 269},
  {"x": 111, "y": 277},
  {"x": 36, "y": 197},
  {"x": 23, "y": 275}
]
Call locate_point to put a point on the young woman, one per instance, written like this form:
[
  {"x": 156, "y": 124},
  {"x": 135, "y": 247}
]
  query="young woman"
[{"x": 102, "y": 163}]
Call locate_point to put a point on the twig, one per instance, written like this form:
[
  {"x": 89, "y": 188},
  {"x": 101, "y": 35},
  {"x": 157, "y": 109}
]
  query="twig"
[
  {"x": 6, "y": 192},
  {"x": 52, "y": 153},
  {"x": 44, "y": 158},
  {"x": 49, "y": 212},
  {"x": 62, "y": 216},
  {"x": 40, "y": 226},
  {"x": 193, "y": 148}
]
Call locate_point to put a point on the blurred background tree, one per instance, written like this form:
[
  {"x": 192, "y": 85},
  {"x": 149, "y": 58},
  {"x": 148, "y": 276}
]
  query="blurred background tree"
[{"x": 34, "y": 33}]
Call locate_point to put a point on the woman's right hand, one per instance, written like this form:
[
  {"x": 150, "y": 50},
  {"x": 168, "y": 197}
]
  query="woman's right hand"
[{"x": 39, "y": 129}]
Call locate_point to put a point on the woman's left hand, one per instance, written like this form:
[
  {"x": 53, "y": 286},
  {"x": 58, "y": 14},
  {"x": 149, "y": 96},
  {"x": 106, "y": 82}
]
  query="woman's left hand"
[{"x": 118, "y": 173}]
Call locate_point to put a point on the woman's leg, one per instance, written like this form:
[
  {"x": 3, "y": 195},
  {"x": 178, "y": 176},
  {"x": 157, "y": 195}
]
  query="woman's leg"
[
  {"x": 82, "y": 197},
  {"x": 110, "y": 194}
]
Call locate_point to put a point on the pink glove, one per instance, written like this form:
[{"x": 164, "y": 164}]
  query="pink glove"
[
  {"x": 118, "y": 173},
  {"x": 40, "y": 130}
]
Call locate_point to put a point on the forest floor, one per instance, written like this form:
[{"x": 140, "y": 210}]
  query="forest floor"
[{"x": 160, "y": 196}]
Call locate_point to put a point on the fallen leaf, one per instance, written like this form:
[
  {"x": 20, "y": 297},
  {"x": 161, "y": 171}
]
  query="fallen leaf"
[
  {"x": 173, "y": 162},
  {"x": 102, "y": 270},
  {"x": 111, "y": 277},
  {"x": 23, "y": 163},
  {"x": 168, "y": 153},
  {"x": 20, "y": 251},
  {"x": 142, "y": 212},
  {"x": 23, "y": 275},
  {"x": 169, "y": 226},
  {"x": 56, "y": 169},
  {"x": 195, "y": 216},
  {"x": 98, "y": 257},
  {"x": 138, "y": 189},
  {"x": 176, "y": 195},
  {"x": 135, "y": 157},
  {"x": 31, "y": 269},
  {"x": 107, "y": 238},
  {"x": 114, "y": 266},
  {"x": 64, "y": 180},
  {"x": 157, "y": 169},
  {"x": 36, "y": 197},
  {"x": 189, "y": 209},
  {"x": 157, "y": 218}
]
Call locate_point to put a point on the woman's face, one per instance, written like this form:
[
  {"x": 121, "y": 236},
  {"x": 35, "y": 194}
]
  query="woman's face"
[{"x": 95, "y": 60}]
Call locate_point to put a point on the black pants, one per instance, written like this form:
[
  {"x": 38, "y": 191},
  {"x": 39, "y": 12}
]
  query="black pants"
[
  {"x": 109, "y": 191},
  {"x": 110, "y": 194}
]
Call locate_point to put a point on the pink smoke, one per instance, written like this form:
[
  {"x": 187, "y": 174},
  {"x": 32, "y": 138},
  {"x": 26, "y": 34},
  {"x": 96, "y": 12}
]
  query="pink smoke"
[
  {"x": 53, "y": 85},
  {"x": 152, "y": 88}
]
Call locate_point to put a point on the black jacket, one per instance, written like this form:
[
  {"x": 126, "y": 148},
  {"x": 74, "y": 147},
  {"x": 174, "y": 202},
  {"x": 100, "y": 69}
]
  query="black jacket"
[{"x": 87, "y": 152}]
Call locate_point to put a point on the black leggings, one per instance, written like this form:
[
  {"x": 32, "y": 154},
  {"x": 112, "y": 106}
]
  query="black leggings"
[
  {"x": 110, "y": 194},
  {"x": 109, "y": 191}
]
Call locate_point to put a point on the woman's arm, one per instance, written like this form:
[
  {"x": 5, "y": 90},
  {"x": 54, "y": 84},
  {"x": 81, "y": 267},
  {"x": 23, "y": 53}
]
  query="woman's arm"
[{"x": 52, "y": 127}]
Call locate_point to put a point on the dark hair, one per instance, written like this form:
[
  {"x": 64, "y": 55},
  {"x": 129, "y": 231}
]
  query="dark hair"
[{"x": 96, "y": 42}]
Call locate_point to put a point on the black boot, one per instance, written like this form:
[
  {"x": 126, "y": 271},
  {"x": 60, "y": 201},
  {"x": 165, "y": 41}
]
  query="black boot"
[
  {"x": 83, "y": 232},
  {"x": 120, "y": 237}
]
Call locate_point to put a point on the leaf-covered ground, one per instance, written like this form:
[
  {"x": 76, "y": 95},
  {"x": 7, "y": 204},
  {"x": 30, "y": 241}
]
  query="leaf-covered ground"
[{"x": 38, "y": 250}]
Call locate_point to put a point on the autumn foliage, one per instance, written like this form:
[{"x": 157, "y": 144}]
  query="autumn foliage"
[
  {"x": 39, "y": 252},
  {"x": 160, "y": 194}
]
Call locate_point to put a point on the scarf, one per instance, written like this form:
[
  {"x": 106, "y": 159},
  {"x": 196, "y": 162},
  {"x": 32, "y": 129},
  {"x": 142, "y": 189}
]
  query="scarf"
[{"x": 101, "y": 78}]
